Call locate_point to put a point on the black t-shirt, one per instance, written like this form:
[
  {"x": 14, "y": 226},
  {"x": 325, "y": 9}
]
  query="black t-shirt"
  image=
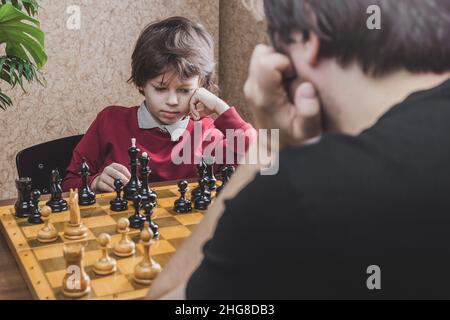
[{"x": 338, "y": 207}]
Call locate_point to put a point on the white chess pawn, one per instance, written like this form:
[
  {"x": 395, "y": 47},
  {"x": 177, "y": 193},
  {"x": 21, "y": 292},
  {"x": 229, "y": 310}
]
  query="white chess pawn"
[
  {"x": 105, "y": 265},
  {"x": 147, "y": 270},
  {"x": 125, "y": 247},
  {"x": 48, "y": 233}
]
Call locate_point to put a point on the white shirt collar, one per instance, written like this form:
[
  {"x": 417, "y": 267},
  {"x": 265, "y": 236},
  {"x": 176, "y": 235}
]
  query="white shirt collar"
[{"x": 147, "y": 121}]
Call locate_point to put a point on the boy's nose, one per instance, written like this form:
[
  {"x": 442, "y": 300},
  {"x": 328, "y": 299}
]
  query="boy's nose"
[{"x": 173, "y": 100}]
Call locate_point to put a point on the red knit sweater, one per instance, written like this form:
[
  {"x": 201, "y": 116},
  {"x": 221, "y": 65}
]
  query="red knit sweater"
[{"x": 109, "y": 137}]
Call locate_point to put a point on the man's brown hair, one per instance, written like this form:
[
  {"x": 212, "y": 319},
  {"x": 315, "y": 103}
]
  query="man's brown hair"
[
  {"x": 414, "y": 34},
  {"x": 177, "y": 44}
]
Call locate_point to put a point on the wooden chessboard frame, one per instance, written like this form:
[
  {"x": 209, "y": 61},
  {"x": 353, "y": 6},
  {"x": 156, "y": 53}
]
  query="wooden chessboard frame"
[{"x": 43, "y": 265}]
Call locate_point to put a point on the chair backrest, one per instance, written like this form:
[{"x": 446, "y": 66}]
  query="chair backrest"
[{"x": 37, "y": 162}]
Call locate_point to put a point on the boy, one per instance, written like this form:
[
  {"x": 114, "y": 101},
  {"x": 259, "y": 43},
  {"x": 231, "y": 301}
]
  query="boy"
[
  {"x": 364, "y": 212},
  {"x": 173, "y": 67}
]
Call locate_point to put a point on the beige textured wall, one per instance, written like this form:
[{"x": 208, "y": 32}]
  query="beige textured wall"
[
  {"x": 241, "y": 28},
  {"x": 87, "y": 70}
]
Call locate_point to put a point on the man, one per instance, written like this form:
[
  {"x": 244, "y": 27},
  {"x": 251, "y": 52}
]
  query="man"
[{"x": 362, "y": 213}]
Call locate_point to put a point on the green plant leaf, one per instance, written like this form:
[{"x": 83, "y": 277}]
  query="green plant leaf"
[
  {"x": 22, "y": 35},
  {"x": 30, "y": 6},
  {"x": 13, "y": 70},
  {"x": 5, "y": 101}
]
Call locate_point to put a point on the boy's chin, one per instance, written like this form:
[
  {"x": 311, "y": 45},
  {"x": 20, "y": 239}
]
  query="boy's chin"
[{"x": 169, "y": 122}]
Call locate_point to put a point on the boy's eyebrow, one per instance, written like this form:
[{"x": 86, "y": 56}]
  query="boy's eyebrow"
[
  {"x": 159, "y": 84},
  {"x": 183, "y": 84}
]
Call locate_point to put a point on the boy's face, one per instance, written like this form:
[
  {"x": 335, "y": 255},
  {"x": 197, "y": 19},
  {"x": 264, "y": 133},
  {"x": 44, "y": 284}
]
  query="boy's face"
[{"x": 167, "y": 96}]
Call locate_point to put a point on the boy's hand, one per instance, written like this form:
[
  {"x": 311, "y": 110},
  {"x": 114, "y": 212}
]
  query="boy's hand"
[
  {"x": 203, "y": 103},
  {"x": 267, "y": 96},
  {"x": 105, "y": 181}
]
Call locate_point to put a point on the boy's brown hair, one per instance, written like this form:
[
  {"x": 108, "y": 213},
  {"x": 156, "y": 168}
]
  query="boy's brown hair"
[
  {"x": 414, "y": 34},
  {"x": 178, "y": 44}
]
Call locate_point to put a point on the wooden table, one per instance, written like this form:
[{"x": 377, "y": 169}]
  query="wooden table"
[{"x": 12, "y": 284}]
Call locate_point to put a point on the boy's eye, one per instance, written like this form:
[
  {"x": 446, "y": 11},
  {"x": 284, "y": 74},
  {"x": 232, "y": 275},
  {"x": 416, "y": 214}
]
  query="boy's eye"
[
  {"x": 160, "y": 88},
  {"x": 186, "y": 90}
]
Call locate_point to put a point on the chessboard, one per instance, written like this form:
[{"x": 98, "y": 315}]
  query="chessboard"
[{"x": 44, "y": 267}]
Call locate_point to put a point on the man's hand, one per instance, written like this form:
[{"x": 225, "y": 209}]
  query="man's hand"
[
  {"x": 105, "y": 181},
  {"x": 269, "y": 100},
  {"x": 204, "y": 103}
]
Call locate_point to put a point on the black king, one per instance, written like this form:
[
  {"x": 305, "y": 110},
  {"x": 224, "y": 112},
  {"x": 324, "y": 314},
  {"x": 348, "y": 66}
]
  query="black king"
[{"x": 133, "y": 186}]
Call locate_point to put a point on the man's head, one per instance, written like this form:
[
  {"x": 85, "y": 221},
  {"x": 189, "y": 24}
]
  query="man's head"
[
  {"x": 172, "y": 58},
  {"x": 331, "y": 45}
]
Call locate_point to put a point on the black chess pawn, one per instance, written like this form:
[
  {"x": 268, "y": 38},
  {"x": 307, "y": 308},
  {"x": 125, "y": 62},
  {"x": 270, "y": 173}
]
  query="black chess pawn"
[
  {"x": 226, "y": 172},
  {"x": 137, "y": 220},
  {"x": 35, "y": 217},
  {"x": 209, "y": 172},
  {"x": 201, "y": 171},
  {"x": 148, "y": 209},
  {"x": 202, "y": 202},
  {"x": 118, "y": 204},
  {"x": 183, "y": 205},
  {"x": 147, "y": 194},
  {"x": 86, "y": 196},
  {"x": 134, "y": 184},
  {"x": 56, "y": 202},
  {"x": 23, "y": 205}
]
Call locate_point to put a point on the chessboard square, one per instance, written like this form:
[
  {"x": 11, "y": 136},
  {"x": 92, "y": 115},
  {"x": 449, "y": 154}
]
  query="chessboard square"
[
  {"x": 88, "y": 208},
  {"x": 93, "y": 212},
  {"x": 55, "y": 278},
  {"x": 126, "y": 265},
  {"x": 49, "y": 252},
  {"x": 91, "y": 257},
  {"x": 119, "y": 215},
  {"x": 161, "y": 247},
  {"x": 190, "y": 219},
  {"x": 176, "y": 243},
  {"x": 160, "y": 213},
  {"x": 111, "y": 230},
  {"x": 167, "y": 222},
  {"x": 102, "y": 221},
  {"x": 158, "y": 247},
  {"x": 174, "y": 232},
  {"x": 167, "y": 202},
  {"x": 32, "y": 231},
  {"x": 35, "y": 243},
  {"x": 191, "y": 227},
  {"x": 166, "y": 193},
  {"x": 111, "y": 285},
  {"x": 90, "y": 245},
  {"x": 104, "y": 201},
  {"x": 22, "y": 222},
  {"x": 162, "y": 259},
  {"x": 59, "y": 217},
  {"x": 53, "y": 264}
]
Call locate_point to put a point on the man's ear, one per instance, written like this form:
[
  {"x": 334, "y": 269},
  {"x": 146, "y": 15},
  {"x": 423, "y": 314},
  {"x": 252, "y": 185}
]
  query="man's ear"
[
  {"x": 309, "y": 48},
  {"x": 313, "y": 48}
]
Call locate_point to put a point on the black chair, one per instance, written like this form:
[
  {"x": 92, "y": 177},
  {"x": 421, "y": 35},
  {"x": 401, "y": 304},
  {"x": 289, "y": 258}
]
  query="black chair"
[{"x": 37, "y": 162}]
